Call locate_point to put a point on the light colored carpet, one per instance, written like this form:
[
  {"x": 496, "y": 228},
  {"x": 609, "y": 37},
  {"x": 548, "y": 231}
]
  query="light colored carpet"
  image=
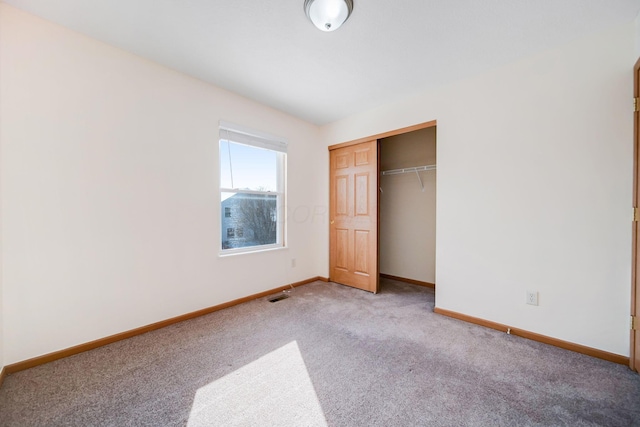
[{"x": 327, "y": 356}]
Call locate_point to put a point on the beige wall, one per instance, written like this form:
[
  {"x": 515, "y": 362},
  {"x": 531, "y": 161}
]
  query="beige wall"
[
  {"x": 637, "y": 36},
  {"x": 408, "y": 214},
  {"x": 534, "y": 188},
  {"x": 110, "y": 202}
]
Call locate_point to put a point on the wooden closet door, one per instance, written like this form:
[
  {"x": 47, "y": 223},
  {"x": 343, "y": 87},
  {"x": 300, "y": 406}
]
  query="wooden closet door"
[{"x": 353, "y": 229}]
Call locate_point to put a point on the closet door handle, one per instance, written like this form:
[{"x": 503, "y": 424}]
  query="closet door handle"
[{"x": 332, "y": 221}]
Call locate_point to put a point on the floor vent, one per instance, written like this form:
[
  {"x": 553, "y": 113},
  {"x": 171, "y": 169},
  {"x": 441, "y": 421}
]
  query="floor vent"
[{"x": 278, "y": 298}]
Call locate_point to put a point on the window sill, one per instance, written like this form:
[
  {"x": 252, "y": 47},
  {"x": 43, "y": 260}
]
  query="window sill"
[{"x": 241, "y": 251}]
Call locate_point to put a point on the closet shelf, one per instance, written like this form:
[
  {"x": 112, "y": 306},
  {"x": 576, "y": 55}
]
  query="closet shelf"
[
  {"x": 409, "y": 170},
  {"x": 415, "y": 170}
]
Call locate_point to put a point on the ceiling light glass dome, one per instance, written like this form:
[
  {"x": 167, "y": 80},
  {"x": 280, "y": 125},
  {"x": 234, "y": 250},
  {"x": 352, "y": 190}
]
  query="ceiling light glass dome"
[{"x": 328, "y": 15}]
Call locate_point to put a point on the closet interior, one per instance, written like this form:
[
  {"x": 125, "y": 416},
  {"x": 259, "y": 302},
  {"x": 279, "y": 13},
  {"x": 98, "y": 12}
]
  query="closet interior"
[{"x": 407, "y": 218}]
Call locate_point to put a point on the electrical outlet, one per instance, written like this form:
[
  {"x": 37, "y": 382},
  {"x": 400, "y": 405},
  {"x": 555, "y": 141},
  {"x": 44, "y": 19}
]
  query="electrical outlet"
[
  {"x": 532, "y": 297},
  {"x": 293, "y": 262}
]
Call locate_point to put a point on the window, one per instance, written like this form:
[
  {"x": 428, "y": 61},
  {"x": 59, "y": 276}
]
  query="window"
[{"x": 252, "y": 183}]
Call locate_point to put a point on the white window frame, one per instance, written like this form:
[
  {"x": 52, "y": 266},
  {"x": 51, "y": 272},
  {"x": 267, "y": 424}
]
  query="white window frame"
[{"x": 243, "y": 135}]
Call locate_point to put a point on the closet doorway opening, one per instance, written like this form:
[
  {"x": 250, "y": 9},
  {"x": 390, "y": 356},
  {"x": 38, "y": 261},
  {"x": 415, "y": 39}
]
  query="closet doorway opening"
[
  {"x": 407, "y": 207},
  {"x": 357, "y": 188}
]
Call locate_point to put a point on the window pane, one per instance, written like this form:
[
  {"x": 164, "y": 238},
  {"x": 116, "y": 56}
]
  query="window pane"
[
  {"x": 253, "y": 220},
  {"x": 248, "y": 168}
]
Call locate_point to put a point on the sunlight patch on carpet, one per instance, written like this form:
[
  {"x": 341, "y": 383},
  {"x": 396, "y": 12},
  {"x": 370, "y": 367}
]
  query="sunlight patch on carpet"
[{"x": 273, "y": 390}]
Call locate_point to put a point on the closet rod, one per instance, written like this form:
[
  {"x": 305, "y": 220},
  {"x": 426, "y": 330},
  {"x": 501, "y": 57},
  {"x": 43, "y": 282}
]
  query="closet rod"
[{"x": 409, "y": 170}]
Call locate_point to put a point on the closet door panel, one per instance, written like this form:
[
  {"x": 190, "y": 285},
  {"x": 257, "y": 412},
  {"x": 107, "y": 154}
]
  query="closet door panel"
[
  {"x": 362, "y": 194},
  {"x": 353, "y": 232},
  {"x": 342, "y": 249}
]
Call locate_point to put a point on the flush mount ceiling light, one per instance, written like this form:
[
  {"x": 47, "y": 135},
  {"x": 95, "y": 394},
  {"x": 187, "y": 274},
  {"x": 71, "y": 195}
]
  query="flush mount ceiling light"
[{"x": 328, "y": 15}]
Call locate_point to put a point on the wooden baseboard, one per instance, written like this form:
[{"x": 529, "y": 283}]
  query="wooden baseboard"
[
  {"x": 3, "y": 373},
  {"x": 600, "y": 354},
  {"x": 50, "y": 357},
  {"x": 412, "y": 281}
]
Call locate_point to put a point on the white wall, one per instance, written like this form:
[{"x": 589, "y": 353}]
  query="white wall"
[
  {"x": 110, "y": 200},
  {"x": 407, "y": 211},
  {"x": 534, "y": 188},
  {"x": 637, "y": 27}
]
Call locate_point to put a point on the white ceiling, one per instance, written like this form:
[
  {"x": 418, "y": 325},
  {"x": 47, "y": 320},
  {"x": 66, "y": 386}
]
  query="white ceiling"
[{"x": 268, "y": 51}]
